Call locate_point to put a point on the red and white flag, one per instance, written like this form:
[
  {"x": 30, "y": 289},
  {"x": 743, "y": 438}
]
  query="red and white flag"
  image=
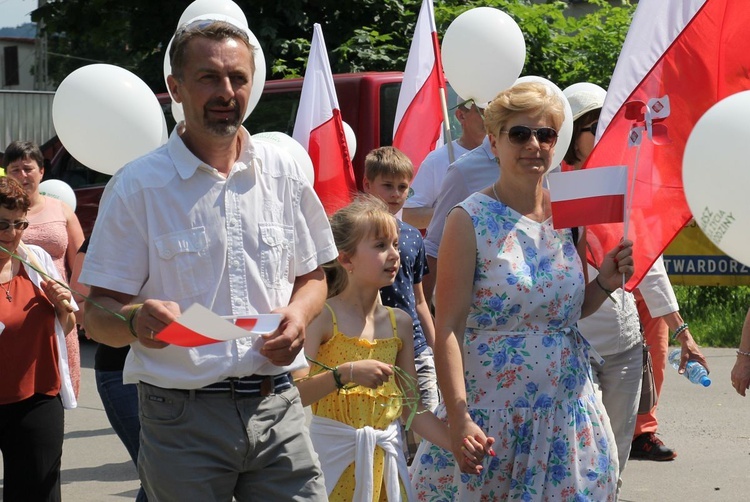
[
  {"x": 419, "y": 114},
  {"x": 319, "y": 128},
  {"x": 588, "y": 196},
  {"x": 679, "y": 58}
]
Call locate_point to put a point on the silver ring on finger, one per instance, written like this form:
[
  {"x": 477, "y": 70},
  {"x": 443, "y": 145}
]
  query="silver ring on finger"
[{"x": 152, "y": 334}]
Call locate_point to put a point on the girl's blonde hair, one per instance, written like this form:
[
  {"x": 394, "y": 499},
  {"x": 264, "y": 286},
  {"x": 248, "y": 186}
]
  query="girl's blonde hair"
[
  {"x": 366, "y": 216},
  {"x": 532, "y": 98}
]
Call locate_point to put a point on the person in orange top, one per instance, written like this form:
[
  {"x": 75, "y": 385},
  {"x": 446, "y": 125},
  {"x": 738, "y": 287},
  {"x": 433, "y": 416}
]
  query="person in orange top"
[
  {"x": 35, "y": 314},
  {"x": 53, "y": 226}
]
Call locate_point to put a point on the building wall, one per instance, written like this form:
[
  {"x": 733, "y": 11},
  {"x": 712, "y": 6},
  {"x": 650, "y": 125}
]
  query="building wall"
[{"x": 26, "y": 58}]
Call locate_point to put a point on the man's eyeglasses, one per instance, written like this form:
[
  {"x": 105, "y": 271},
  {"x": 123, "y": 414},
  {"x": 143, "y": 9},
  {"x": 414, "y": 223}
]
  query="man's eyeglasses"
[
  {"x": 591, "y": 128},
  {"x": 520, "y": 135},
  {"x": 18, "y": 225}
]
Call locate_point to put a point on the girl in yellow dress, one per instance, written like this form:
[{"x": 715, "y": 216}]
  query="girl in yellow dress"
[{"x": 358, "y": 396}]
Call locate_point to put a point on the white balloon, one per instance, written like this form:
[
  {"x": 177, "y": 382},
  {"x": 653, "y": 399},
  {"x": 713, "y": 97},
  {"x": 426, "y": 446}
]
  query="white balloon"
[
  {"x": 565, "y": 134},
  {"x": 59, "y": 190},
  {"x": 351, "y": 139},
  {"x": 483, "y": 52},
  {"x": 715, "y": 175},
  {"x": 202, "y": 7},
  {"x": 259, "y": 78},
  {"x": 293, "y": 147},
  {"x": 106, "y": 116}
]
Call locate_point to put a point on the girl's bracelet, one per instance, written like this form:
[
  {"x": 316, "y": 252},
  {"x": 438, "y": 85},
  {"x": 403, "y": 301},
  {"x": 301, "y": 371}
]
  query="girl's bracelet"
[
  {"x": 337, "y": 378},
  {"x": 743, "y": 353},
  {"x": 351, "y": 373}
]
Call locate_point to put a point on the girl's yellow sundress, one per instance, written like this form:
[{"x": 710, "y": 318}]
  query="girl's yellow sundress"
[{"x": 360, "y": 406}]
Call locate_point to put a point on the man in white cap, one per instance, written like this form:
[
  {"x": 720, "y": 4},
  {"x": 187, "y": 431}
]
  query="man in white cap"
[
  {"x": 613, "y": 331},
  {"x": 425, "y": 187}
]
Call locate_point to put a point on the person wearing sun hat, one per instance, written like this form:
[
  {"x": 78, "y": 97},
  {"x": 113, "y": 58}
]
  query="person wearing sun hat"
[{"x": 614, "y": 330}]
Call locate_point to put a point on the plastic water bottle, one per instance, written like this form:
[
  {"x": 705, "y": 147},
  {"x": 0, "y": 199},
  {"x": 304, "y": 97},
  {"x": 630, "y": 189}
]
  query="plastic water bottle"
[{"x": 694, "y": 371}]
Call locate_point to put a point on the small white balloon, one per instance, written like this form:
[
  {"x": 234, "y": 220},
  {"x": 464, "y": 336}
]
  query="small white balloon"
[
  {"x": 351, "y": 139},
  {"x": 715, "y": 175},
  {"x": 483, "y": 52},
  {"x": 202, "y": 7},
  {"x": 106, "y": 116},
  {"x": 58, "y": 189},
  {"x": 259, "y": 78},
  {"x": 565, "y": 134},
  {"x": 293, "y": 147}
]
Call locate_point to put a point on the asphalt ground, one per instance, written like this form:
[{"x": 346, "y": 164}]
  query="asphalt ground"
[{"x": 709, "y": 428}]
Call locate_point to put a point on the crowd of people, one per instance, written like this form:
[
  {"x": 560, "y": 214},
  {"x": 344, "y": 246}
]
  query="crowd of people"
[{"x": 538, "y": 365}]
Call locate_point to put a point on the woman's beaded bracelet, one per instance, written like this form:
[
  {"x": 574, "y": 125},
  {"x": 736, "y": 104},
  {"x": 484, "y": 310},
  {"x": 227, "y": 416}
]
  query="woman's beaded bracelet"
[
  {"x": 131, "y": 317},
  {"x": 743, "y": 353},
  {"x": 682, "y": 327}
]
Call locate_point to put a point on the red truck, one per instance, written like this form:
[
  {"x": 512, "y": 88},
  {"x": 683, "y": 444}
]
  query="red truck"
[{"x": 368, "y": 103}]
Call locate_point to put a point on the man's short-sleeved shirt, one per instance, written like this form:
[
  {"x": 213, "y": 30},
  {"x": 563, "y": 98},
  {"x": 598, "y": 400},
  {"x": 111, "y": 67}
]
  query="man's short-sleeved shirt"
[
  {"x": 471, "y": 173},
  {"x": 425, "y": 187},
  {"x": 172, "y": 228},
  {"x": 413, "y": 267}
]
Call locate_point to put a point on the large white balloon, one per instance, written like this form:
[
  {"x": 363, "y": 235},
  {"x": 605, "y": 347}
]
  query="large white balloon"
[
  {"x": 106, "y": 116},
  {"x": 565, "y": 134},
  {"x": 59, "y": 190},
  {"x": 202, "y": 7},
  {"x": 292, "y": 146},
  {"x": 351, "y": 140},
  {"x": 715, "y": 175},
  {"x": 483, "y": 52},
  {"x": 259, "y": 78}
]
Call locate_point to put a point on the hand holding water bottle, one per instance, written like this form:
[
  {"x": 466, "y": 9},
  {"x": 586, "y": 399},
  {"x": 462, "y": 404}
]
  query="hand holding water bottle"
[{"x": 694, "y": 371}]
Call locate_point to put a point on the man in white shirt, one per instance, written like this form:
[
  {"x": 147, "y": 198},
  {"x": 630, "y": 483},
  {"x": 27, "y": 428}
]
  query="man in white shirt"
[
  {"x": 213, "y": 218},
  {"x": 425, "y": 187},
  {"x": 472, "y": 172}
]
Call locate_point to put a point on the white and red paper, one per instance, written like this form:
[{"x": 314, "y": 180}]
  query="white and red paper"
[
  {"x": 588, "y": 196},
  {"x": 199, "y": 326}
]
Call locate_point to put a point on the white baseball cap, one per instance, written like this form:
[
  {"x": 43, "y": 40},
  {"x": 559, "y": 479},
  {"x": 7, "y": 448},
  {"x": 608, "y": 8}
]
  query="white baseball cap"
[{"x": 584, "y": 97}]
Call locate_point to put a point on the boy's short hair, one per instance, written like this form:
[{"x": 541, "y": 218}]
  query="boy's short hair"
[{"x": 388, "y": 161}]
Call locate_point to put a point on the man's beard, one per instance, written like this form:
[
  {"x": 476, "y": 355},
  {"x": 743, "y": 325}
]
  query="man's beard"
[{"x": 224, "y": 127}]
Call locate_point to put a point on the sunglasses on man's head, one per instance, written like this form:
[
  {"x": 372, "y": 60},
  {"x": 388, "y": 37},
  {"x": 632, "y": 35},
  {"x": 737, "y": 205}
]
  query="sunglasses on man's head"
[
  {"x": 591, "y": 128},
  {"x": 18, "y": 225},
  {"x": 520, "y": 135}
]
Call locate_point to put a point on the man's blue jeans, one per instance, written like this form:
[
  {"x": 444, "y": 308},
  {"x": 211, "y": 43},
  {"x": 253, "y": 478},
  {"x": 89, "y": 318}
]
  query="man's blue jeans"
[{"x": 121, "y": 405}]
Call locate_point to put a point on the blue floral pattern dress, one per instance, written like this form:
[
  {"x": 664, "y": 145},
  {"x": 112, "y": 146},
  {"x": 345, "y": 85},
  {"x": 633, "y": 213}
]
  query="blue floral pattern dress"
[{"x": 527, "y": 372}]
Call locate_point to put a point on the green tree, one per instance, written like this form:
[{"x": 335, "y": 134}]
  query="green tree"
[{"x": 360, "y": 34}]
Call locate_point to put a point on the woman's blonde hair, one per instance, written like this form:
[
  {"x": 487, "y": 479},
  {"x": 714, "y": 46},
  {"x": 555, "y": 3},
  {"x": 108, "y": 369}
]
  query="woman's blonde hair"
[
  {"x": 366, "y": 216},
  {"x": 532, "y": 98}
]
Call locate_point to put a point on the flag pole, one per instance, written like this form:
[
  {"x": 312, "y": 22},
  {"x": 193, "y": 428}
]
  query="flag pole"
[
  {"x": 442, "y": 85},
  {"x": 629, "y": 207}
]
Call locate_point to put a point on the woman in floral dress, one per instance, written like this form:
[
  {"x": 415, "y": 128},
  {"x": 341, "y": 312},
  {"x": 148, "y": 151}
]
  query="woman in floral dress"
[{"x": 511, "y": 363}]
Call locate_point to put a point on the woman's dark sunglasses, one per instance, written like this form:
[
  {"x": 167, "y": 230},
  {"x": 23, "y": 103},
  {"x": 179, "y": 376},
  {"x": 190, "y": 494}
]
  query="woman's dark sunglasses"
[
  {"x": 520, "y": 135},
  {"x": 591, "y": 128},
  {"x": 18, "y": 225}
]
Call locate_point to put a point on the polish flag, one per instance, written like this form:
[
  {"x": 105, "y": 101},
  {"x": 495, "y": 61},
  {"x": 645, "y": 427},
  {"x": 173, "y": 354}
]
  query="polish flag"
[
  {"x": 680, "y": 57},
  {"x": 319, "y": 128},
  {"x": 419, "y": 114},
  {"x": 588, "y": 196}
]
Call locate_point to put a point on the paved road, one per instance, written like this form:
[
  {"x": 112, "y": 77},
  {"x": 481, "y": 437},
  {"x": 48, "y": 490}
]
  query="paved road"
[{"x": 710, "y": 429}]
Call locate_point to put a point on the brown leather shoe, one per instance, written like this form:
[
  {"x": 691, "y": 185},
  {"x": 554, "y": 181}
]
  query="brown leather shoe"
[{"x": 647, "y": 446}]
